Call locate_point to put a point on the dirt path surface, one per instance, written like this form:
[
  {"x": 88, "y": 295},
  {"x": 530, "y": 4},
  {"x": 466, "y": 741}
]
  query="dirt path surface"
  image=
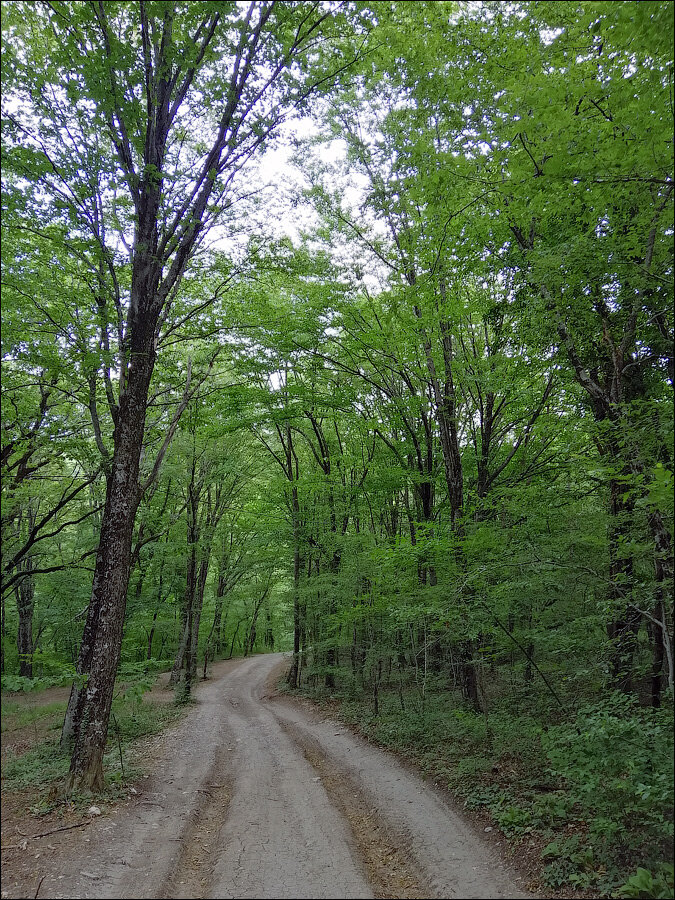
[{"x": 257, "y": 796}]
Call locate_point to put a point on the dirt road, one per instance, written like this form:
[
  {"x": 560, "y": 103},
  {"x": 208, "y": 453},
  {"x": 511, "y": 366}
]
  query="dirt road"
[{"x": 254, "y": 796}]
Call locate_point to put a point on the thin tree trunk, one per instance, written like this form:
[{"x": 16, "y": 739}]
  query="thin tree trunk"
[
  {"x": 2, "y": 642},
  {"x": 623, "y": 630},
  {"x": 197, "y": 611},
  {"x": 179, "y": 658},
  {"x": 151, "y": 634},
  {"x": 234, "y": 637},
  {"x": 218, "y": 613},
  {"x": 25, "y": 595},
  {"x": 297, "y": 563},
  {"x": 656, "y": 634}
]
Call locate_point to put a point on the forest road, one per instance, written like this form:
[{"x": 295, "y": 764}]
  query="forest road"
[{"x": 254, "y": 795}]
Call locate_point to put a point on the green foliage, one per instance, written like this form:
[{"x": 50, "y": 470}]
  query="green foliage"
[
  {"x": 513, "y": 820},
  {"x": 435, "y": 446},
  {"x": 598, "y": 787},
  {"x": 16, "y": 715},
  {"x": 136, "y": 719},
  {"x": 615, "y": 759},
  {"x": 646, "y": 884},
  {"x": 573, "y": 863},
  {"x": 22, "y": 683},
  {"x": 45, "y": 763},
  {"x": 36, "y": 768}
]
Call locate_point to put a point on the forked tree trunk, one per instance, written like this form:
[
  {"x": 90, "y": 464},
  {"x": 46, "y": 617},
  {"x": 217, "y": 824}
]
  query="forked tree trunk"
[{"x": 77, "y": 694}]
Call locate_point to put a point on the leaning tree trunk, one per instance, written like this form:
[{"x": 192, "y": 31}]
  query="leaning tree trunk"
[{"x": 111, "y": 573}]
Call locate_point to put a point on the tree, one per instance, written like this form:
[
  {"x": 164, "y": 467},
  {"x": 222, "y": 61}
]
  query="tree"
[{"x": 104, "y": 101}]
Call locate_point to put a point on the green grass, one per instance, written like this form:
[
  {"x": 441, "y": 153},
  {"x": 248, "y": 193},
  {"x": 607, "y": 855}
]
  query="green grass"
[
  {"x": 44, "y": 763},
  {"x": 38, "y": 767},
  {"x": 17, "y": 715}
]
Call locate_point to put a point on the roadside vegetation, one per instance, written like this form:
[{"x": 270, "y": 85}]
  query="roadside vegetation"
[{"x": 33, "y": 762}]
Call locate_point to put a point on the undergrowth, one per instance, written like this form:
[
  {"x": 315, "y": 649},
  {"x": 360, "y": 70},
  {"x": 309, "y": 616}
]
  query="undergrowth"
[{"x": 40, "y": 767}]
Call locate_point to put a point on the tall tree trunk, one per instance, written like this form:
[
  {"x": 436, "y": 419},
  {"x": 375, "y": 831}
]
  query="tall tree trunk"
[
  {"x": 656, "y": 677},
  {"x": 250, "y": 640},
  {"x": 111, "y": 573},
  {"x": 77, "y": 696},
  {"x": 297, "y": 563},
  {"x": 663, "y": 566},
  {"x": 218, "y": 614},
  {"x": 24, "y": 640},
  {"x": 73, "y": 714},
  {"x": 445, "y": 405},
  {"x": 151, "y": 634},
  {"x": 623, "y": 629},
  {"x": 197, "y": 611},
  {"x": 184, "y": 653},
  {"x": 25, "y": 596},
  {"x": 2, "y": 642},
  {"x": 234, "y": 638},
  {"x": 179, "y": 658}
]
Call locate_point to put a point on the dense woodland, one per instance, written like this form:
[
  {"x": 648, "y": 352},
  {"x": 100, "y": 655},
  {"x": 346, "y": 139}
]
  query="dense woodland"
[{"x": 403, "y": 407}]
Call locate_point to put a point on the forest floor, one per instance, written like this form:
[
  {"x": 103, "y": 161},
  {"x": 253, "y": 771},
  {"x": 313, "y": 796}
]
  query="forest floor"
[{"x": 250, "y": 795}]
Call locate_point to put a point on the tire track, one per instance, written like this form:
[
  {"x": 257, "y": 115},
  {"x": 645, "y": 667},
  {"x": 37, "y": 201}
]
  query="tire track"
[
  {"x": 193, "y": 870},
  {"x": 441, "y": 853},
  {"x": 391, "y": 870}
]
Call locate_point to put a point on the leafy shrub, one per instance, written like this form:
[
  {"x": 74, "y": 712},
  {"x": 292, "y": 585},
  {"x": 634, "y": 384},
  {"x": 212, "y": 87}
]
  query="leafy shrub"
[
  {"x": 21, "y": 683},
  {"x": 616, "y": 759},
  {"x": 42, "y": 764},
  {"x": 513, "y": 820},
  {"x": 142, "y": 667},
  {"x": 648, "y": 885},
  {"x": 572, "y": 862}
]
